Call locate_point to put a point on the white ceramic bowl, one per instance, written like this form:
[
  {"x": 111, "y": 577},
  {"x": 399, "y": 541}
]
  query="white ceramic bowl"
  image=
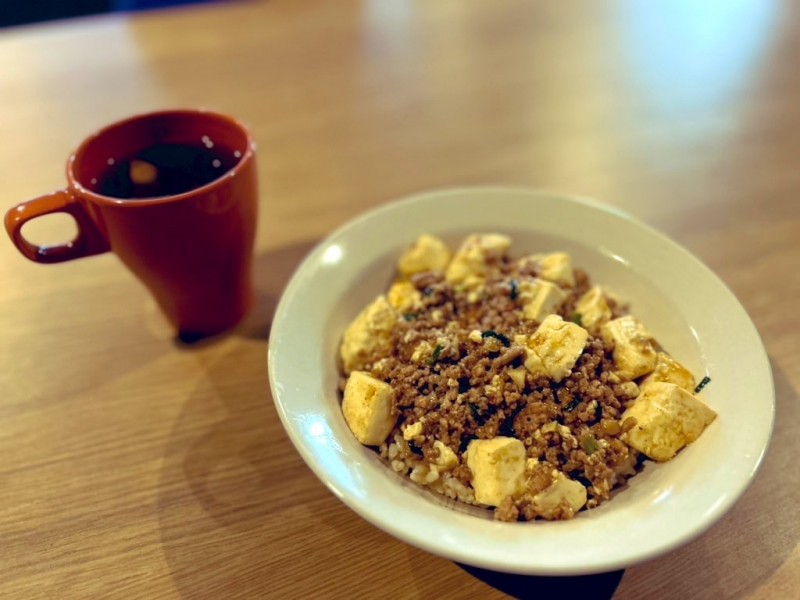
[{"x": 681, "y": 301}]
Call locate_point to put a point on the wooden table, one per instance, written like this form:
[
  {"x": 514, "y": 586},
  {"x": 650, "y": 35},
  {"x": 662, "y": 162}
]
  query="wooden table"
[{"x": 134, "y": 466}]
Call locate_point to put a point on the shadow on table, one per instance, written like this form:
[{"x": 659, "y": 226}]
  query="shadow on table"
[
  {"x": 237, "y": 506},
  {"x": 271, "y": 272},
  {"x": 526, "y": 587}
]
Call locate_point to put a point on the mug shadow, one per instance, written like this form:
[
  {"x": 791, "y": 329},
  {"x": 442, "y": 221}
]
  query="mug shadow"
[
  {"x": 230, "y": 521},
  {"x": 228, "y": 463},
  {"x": 227, "y": 479},
  {"x": 271, "y": 272}
]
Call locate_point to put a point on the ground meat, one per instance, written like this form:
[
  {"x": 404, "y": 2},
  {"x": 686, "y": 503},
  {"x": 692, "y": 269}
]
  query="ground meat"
[
  {"x": 451, "y": 371},
  {"x": 507, "y": 511}
]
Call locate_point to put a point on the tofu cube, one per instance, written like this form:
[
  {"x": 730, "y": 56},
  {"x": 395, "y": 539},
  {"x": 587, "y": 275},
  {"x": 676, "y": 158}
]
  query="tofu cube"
[
  {"x": 554, "y": 348},
  {"x": 447, "y": 459},
  {"x": 498, "y": 468},
  {"x": 539, "y": 298},
  {"x": 367, "y": 408},
  {"x": 667, "y": 419},
  {"x": 470, "y": 264},
  {"x": 669, "y": 370},
  {"x": 412, "y": 431},
  {"x": 593, "y": 308},
  {"x": 630, "y": 389},
  {"x": 404, "y": 297},
  {"x": 554, "y": 266},
  {"x": 422, "y": 352},
  {"x": 517, "y": 375},
  {"x": 561, "y": 499},
  {"x": 427, "y": 253},
  {"x": 368, "y": 337},
  {"x": 634, "y": 347}
]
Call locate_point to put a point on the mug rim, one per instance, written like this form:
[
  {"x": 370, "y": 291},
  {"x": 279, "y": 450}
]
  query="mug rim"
[{"x": 82, "y": 191}]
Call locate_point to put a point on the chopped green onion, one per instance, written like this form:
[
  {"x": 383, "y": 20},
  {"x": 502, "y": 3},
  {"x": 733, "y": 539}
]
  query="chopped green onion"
[
  {"x": 507, "y": 427},
  {"x": 706, "y": 380},
  {"x": 589, "y": 444},
  {"x": 435, "y": 356},
  {"x": 513, "y": 289},
  {"x": 572, "y": 405},
  {"x": 475, "y": 411},
  {"x": 414, "y": 448},
  {"x": 409, "y": 316},
  {"x": 498, "y": 336},
  {"x": 576, "y": 318},
  {"x": 465, "y": 440}
]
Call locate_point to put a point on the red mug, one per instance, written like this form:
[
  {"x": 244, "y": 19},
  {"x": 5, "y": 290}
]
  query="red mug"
[{"x": 192, "y": 249}]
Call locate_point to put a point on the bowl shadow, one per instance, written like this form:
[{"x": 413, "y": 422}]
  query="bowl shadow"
[{"x": 529, "y": 587}]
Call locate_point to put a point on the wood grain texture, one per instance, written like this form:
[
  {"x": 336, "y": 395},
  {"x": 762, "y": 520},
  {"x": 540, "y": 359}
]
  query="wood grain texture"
[{"x": 134, "y": 467}]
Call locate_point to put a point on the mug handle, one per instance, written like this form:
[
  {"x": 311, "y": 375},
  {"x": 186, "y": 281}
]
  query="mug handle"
[{"x": 89, "y": 241}]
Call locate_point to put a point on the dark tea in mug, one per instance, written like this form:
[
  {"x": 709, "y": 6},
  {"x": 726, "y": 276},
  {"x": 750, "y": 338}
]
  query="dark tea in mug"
[{"x": 165, "y": 169}]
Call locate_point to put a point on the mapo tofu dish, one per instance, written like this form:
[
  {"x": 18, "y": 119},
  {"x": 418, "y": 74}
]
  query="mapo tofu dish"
[{"x": 513, "y": 384}]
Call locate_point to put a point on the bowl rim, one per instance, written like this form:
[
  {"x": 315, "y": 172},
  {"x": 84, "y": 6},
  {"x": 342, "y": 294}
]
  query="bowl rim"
[{"x": 374, "y": 517}]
